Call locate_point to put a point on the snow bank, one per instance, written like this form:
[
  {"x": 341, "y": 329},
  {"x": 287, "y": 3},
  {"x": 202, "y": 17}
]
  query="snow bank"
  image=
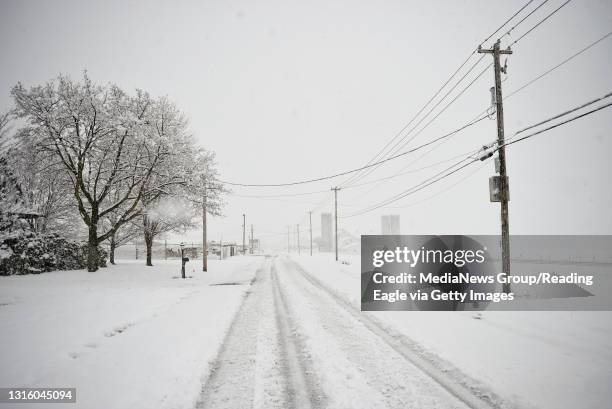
[
  {"x": 128, "y": 336},
  {"x": 543, "y": 359}
]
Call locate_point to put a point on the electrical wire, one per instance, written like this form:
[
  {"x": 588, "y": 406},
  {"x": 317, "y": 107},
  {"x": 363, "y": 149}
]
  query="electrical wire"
[
  {"x": 523, "y": 19},
  {"x": 376, "y": 164},
  {"x": 394, "y": 148},
  {"x": 420, "y": 186},
  {"x": 357, "y": 169},
  {"x": 381, "y": 152},
  {"x": 568, "y": 59},
  {"x": 513, "y": 141},
  {"x": 397, "y": 148},
  {"x": 510, "y": 19},
  {"x": 540, "y": 22},
  {"x": 445, "y": 190},
  {"x": 608, "y": 95},
  {"x": 441, "y": 175}
]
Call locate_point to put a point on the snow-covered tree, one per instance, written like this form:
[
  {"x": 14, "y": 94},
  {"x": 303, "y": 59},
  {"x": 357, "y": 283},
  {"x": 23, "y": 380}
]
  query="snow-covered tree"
[
  {"x": 11, "y": 193},
  {"x": 96, "y": 133},
  {"x": 120, "y": 156},
  {"x": 45, "y": 185},
  {"x": 165, "y": 200},
  {"x": 123, "y": 235}
]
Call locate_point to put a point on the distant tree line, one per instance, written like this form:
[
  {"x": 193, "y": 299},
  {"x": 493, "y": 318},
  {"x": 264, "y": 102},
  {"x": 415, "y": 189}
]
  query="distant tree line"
[{"x": 96, "y": 162}]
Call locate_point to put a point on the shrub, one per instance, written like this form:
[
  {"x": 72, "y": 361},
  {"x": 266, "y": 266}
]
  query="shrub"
[{"x": 30, "y": 253}]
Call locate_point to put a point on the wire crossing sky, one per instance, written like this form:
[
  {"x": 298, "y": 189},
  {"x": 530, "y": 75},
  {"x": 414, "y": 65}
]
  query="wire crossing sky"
[{"x": 286, "y": 91}]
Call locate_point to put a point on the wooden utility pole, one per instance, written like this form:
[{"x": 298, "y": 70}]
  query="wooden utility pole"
[
  {"x": 310, "y": 219},
  {"x": 204, "y": 243},
  {"x": 297, "y": 229},
  {"x": 243, "y": 234},
  {"x": 335, "y": 189},
  {"x": 505, "y": 228}
]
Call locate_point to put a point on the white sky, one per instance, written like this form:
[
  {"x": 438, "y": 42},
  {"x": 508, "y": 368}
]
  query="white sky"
[{"x": 286, "y": 90}]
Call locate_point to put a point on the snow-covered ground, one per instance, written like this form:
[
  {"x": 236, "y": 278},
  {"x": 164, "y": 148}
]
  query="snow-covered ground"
[
  {"x": 532, "y": 359},
  {"x": 293, "y": 345},
  {"x": 131, "y": 336},
  {"x": 127, "y": 336}
]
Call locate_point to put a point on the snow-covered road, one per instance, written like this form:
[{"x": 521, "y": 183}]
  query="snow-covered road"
[
  {"x": 295, "y": 344},
  {"x": 284, "y": 332}
]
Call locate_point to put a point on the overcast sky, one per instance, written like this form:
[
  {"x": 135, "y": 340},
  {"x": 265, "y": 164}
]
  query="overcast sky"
[{"x": 290, "y": 90}]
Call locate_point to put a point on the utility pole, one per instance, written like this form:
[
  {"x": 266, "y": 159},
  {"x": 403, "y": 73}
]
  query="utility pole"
[
  {"x": 288, "y": 240},
  {"x": 310, "y": 219},
  {"x": 243, "y": 234},
  {"x": 298, "y": 237},
  {"x": 505, "y": 228},
  {"x": 204, "y": 243},
  {"x": 251, "y": 239},
  {"x": 335, "y": 189}
]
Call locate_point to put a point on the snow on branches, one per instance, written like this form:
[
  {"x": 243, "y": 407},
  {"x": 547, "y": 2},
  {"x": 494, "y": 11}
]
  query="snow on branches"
[{"x": 122, "y": 155}]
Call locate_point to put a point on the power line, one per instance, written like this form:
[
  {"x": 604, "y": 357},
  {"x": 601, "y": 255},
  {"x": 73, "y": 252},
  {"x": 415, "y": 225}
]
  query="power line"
[
  {"x": 441, "y": 175},
  {"x": 524, "y": 18},
  {"x": 402, "y": 171},
  {"x": 513, "y": 141},
  {"x": 540, "y": 22},
  {"x": 384, "y": 148},
  {"x": 417, "y": 187},
  {"x": 396, "y": 148},
  {"x": 448, "y": 188},
  {"x": 568, "y": 59},
  {"x": 521, "y": 88},
  {"x": 381, "y": 152},
  {"x": 393, "y": 149},
  {"x": 510, "y": 19},
  {"x": 552, "y": 69},
  {"x": 474, "y": 121},
  {"x": 358, "y": 176},
  {"x": 279, "y": 195},
  {"x": 564, "y": 113},
  {"x": 450, "y": 103},
  {"x": 357, "y": 169},
  {"x": 413, "y": 170}
]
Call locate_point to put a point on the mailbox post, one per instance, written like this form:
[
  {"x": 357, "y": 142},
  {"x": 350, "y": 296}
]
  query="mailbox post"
[{"x": 183, "y": 260}]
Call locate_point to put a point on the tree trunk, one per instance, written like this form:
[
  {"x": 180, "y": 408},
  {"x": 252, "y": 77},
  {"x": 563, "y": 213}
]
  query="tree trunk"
[
  {"x": 111, "y": 251},
  {"x": 149, "y": 244},
  {"x": 93, "y": 255}
]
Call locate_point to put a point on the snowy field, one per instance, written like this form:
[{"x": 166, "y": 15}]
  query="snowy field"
[
  {"x": 533, "y": 359},
  {"x": 126, "y": 336}
]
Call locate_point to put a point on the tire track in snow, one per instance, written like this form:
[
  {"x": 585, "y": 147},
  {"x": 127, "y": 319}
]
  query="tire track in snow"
[
  {"x": 230, "y": 383},
  {"x": 260, "y": 364},
  {"x": 460, "y": 387},
  {"x": 303, "y": 387}
]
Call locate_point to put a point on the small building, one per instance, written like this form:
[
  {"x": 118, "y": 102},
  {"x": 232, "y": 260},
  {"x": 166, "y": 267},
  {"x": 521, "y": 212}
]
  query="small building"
[{"x": 215, "y": 248}]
